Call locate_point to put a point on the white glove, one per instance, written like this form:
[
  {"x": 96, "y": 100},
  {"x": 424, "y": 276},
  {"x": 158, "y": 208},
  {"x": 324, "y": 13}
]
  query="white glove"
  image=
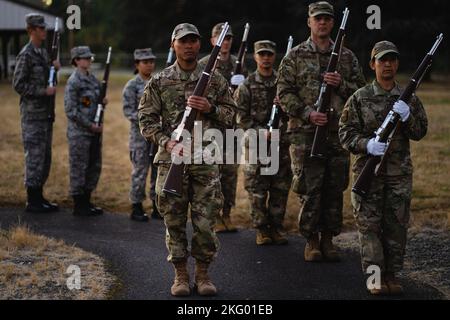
[
  {"x": 403, "y": 110},
  {"x": 237, "y": 80},
  {"x": 376, "y": 148}
]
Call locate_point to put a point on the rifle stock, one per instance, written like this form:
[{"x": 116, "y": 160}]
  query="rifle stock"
[
  {"x": 375, "y": 165},
  {"x": 174, "y": 182},
  {"x": 323, "y": 102}
]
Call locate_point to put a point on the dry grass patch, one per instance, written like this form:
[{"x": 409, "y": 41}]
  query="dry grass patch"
[{"x": 34, "y": 267}]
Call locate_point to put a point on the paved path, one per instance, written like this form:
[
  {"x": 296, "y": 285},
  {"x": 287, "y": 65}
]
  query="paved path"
[{"x": 136, "y": 254}]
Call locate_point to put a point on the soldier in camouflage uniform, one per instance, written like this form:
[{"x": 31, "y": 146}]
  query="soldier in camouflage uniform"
[
  {"x": 229, "y": 172},
  {"x": 268, "y": 194},
  {"x": 140, "y": 149},
  {"x": 320, "y": 183},
  {"x": 85, "y": 152},
  {"x": 160, "y": 112},
  {"x": 383, "y": 215},
  {"x": 227, "y": 61},
  {"x": 37, "y": 109}
]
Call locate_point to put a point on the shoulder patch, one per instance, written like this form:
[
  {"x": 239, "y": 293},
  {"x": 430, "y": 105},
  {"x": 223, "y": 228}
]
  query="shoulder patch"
[{"x": 344, "y": 117}]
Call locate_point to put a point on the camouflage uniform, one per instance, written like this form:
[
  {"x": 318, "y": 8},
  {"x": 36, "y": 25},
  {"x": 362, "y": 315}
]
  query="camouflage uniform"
[
  {"x": 139, "y": 148},
  {"x": 165, "y": 99},
  {"x": 229, "y": 172},
  {"x": 225, "y": 68},
  {"x": 37, "y": 113},
  {"x": 383, "y": 216},
  {"x": 256, "y": 96},
  {"x": 320, "y": 183},
  {"x": 85, "y": 156}
]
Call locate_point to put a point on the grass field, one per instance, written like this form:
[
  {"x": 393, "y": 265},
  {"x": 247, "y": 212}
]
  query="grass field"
[
  {"x": 34, "y": 267},
  {"x": 431, "y": 203}
]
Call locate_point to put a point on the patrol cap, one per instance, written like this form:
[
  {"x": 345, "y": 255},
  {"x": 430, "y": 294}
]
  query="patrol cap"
[
  {"x": 83, "y": 52},
  {"x": 35, "y": 20},
  {"x": 143, "y": 54},
  {"x": 383, "y": 48},
  {"x": 217, "y": 30},
  {"x": 320, "y": 8},
  {"x": 265, "y": 45},
  {"x": 183, "y": 30}
]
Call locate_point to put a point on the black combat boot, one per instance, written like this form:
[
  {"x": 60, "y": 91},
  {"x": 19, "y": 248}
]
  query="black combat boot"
[
  {"x": 81, "y": 206},
  {"x": 138, "y": 213},
  {"x": 53, "y": 207},
  {"x": 95, "y": 211},
  {"x": 155, "y": 213},
  {"x": 34, "y": 202}
]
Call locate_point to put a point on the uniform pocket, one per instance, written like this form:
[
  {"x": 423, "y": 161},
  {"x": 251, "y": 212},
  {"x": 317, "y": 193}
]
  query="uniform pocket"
[
  {"x": 38, "y": 74},
  {"x": 159, "y": 204},
  {"x": 163, "y": 171},
  {"x": 35, "y": 105},
  {"x": 400, "y": 201},
  {"x": 298, "y": 156},
  {"x": 356, "y": 202},
  {"x": 403, "y": 213},
  {"x": 250, "y": 174}
]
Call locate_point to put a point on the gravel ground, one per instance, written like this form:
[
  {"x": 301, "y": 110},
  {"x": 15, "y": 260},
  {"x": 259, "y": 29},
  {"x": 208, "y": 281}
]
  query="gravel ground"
[{"x": 427, "y": 257}]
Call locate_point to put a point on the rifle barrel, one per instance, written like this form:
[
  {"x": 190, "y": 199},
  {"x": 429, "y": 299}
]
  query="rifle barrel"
[
  {"x": 375, "y": 165},
  {"x": 324, "y": 100}
]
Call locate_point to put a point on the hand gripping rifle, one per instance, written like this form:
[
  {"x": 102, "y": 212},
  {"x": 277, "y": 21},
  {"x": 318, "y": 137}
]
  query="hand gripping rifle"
[
  {"x": 174, "y": 182},
  {"x": 274, "y": 122},
  {"x": 238, "y": 77},
  {"x": 324, "y": 100},
  {"x": 375, "y": 165},
  {"x": 52, "y": 79}
]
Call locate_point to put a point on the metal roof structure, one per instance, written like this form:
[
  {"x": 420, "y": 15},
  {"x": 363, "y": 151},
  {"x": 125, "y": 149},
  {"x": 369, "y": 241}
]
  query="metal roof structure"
[{"x": 12, "y": 15}]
